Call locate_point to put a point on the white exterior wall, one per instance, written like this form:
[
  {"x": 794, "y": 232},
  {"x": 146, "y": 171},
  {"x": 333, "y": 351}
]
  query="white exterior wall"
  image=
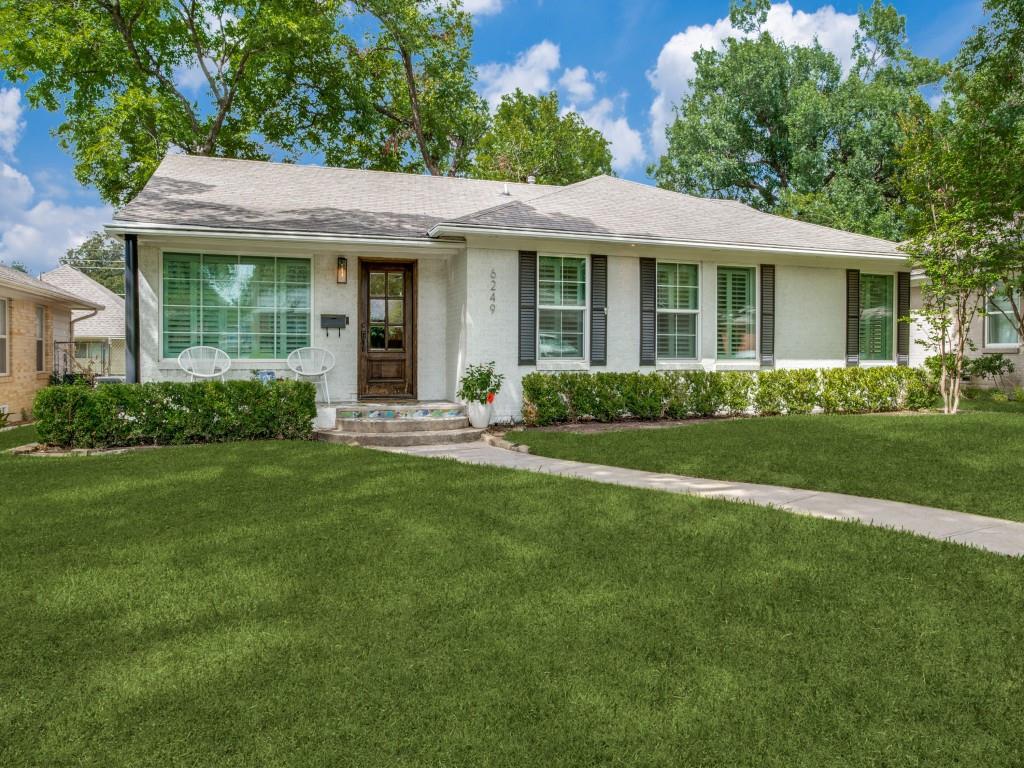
[
  {"x": 328, "y": 298},
  {"x": 810, "y": 310}
]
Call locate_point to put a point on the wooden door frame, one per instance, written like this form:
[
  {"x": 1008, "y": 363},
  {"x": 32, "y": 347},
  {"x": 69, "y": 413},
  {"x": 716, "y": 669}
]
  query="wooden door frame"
[{"x": 412, "y": 313}]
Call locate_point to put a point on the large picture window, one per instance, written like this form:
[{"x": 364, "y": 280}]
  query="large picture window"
[
  {"x": 737, "y": 313},
  {"x": 252, "y": 307},
  {"x": 678, "y": 306},
  {"x": 1000, "y": 325},
  {"x": 562, "y": 294},
  {"x": 876, "y": 317},
  {"x": 5, "y": 367}
]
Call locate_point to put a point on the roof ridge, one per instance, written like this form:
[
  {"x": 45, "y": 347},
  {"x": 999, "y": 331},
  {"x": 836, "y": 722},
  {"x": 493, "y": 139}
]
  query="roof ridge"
[{"x": 336, "y": 168}]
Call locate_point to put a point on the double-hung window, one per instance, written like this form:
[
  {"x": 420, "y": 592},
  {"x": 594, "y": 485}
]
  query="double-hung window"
[
  {"x": 562, "y": 301},
  {"x": 737, "y": 313},
  {"x": 1000, "y": 321},
  {"x": 40, "y": 339},
  {"x": 253, "y": 308},
  {"x": 876, "y": 317},
  {"x": 678, "y": 307},
  {"x": 5, "y": 367}
]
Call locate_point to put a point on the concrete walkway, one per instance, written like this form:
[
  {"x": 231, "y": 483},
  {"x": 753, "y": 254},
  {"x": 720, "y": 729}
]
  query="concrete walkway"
[{"x": 1001, "y": 536}]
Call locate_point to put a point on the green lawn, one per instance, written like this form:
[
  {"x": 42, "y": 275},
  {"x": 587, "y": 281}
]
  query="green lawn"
[
  {"x": 969, "y": 462},
  {"x": 300, "y": 604}
]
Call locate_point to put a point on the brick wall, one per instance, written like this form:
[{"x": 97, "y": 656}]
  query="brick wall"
[{"x": 19, "y": 386}]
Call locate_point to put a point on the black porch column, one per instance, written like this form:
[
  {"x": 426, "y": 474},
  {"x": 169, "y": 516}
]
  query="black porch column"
[{"x": 131, "y": 309}]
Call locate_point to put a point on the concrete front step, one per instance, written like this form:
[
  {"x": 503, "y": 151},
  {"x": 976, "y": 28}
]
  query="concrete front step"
[
  {"x": 378, "y": 426},
  {"x": 400, "y": 439}
]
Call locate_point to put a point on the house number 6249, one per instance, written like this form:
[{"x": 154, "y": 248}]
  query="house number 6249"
[{"x": 493, "y": 291}]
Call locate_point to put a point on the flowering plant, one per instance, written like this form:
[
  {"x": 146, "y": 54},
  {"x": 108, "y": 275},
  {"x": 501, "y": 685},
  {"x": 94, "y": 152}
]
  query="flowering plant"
[{"x": 480, "y": 384}]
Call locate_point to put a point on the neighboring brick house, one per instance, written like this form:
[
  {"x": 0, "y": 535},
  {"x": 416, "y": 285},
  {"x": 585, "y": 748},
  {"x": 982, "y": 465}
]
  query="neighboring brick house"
[
  {"x": 33, "y": 316},
  {"x": 99, "y": 336}
]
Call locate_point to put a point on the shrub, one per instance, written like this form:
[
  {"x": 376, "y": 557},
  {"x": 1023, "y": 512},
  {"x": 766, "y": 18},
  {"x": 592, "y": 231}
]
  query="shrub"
[
  {"x": 115, "y": 415},
  {"x": 543, "y": 402},
  {"x": 990, "y": 367},
  {"x": 1000, "y": 397},
  {"x": 1018, "y": 394},
  {"x": 560, "y": 397},
  {"x": 643, "y": 395}
]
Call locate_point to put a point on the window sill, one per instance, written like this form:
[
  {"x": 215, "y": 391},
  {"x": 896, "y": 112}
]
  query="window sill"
[
  {"x": 563, "y": 365},
  {"x": 999, "y": 349}
]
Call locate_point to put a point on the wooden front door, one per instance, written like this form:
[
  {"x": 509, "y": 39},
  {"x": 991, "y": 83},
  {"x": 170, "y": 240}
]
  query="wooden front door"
[{"x": 387, "y": 327}]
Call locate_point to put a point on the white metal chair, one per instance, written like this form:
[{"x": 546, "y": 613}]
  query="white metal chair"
[
  {"x": 204, "y": 363},
  {"x": 314, "y": 363}
]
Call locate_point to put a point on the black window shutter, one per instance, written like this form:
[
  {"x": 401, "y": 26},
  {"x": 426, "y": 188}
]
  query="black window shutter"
[
  {"x": 648, "y": 311},
  {"x": 767, "y": 315},
  {"x": 902, "y": 312},
  {"x": 527, "y": 307},
  {"x": 852, "y": 318},
  {"x": 598, "y": 310}
]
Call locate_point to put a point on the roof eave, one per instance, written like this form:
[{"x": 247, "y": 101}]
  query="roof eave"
[
  {"x": 450, "y": 229},
  {"x": 72, "y": 302}
]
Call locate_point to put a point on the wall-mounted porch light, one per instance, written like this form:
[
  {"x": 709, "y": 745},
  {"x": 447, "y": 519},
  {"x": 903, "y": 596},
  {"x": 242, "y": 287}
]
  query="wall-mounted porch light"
[{"x": 342, "y": 270}]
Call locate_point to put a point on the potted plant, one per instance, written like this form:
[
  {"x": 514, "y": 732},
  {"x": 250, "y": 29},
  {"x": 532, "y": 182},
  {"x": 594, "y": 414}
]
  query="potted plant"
[{"x": 477, "y": 389}]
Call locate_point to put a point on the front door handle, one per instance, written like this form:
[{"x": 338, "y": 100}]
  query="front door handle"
[{"x": 364, "y": 333}]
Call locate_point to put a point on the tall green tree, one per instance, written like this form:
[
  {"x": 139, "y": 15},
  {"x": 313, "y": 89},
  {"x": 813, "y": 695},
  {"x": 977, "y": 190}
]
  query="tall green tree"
[
  {"x": 265, "y": 76},
  {"x": 100, "y": 257},
  {"x": 782, "y": 128},
  {"x": 410, "y": 81},
  {"x": 530, "y": 138},
  {"x": 246, "y": 78},
  {"x": 955, "y": 238},
  {"x": 985, "y": 90}
]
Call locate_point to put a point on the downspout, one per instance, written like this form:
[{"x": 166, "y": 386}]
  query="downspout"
[{"x": 132, "y": 359}]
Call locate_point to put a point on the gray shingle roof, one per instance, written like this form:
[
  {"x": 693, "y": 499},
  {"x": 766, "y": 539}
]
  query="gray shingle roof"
[
  {"x": 246, "y": 194},
  {"x": 227, "y": 194},
  {"x": 19, "y": 281},
  {"x": 615, "y": 207},
  {"x": 108, "y": 323}
]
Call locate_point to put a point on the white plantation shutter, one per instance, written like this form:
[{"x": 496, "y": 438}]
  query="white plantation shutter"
[{"x": 3, "y": 336}]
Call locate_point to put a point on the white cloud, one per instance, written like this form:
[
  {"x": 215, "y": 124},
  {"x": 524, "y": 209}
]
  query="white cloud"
[
  {"x": 675, "y": 68},
  {"x": 10, "y": 119},
  {"x": 531, "y": 73},
  {"x": 33, "y": 228},
  {"x": 482, "y": 7},
  {"x": 627, "y": 144},
  {"x": 15, "y": 193},
  {"x": 576, "y": 82}
]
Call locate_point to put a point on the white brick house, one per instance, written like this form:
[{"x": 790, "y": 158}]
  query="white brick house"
[{"x": 605, "y": 274}]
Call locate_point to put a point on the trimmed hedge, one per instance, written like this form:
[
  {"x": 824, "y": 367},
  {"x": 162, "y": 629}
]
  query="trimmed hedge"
[
  {"x": 166, "y": 413},
  {"x": 552, "y": 398}
]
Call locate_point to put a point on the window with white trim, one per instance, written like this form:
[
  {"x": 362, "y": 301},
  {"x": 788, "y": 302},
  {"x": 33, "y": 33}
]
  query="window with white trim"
[
  {"x": 561, "y": 307},
  {"x": 737, "y": 313},
  {"x": 876, "y": 317},
  {"x": 5, "y": 367},
  {"x": 1000, "y": 321},
  {"x": 252, "y": 307},
  {"x": 40, "y": 339},
  {"x": 678, "y": 309}
]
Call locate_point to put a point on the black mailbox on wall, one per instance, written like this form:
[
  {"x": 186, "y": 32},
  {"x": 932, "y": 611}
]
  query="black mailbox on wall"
[{"x": 328, "y": 322}]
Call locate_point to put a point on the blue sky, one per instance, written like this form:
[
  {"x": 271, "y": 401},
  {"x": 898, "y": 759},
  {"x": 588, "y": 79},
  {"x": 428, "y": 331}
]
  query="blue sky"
[{"x": 621, "y": 63}]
